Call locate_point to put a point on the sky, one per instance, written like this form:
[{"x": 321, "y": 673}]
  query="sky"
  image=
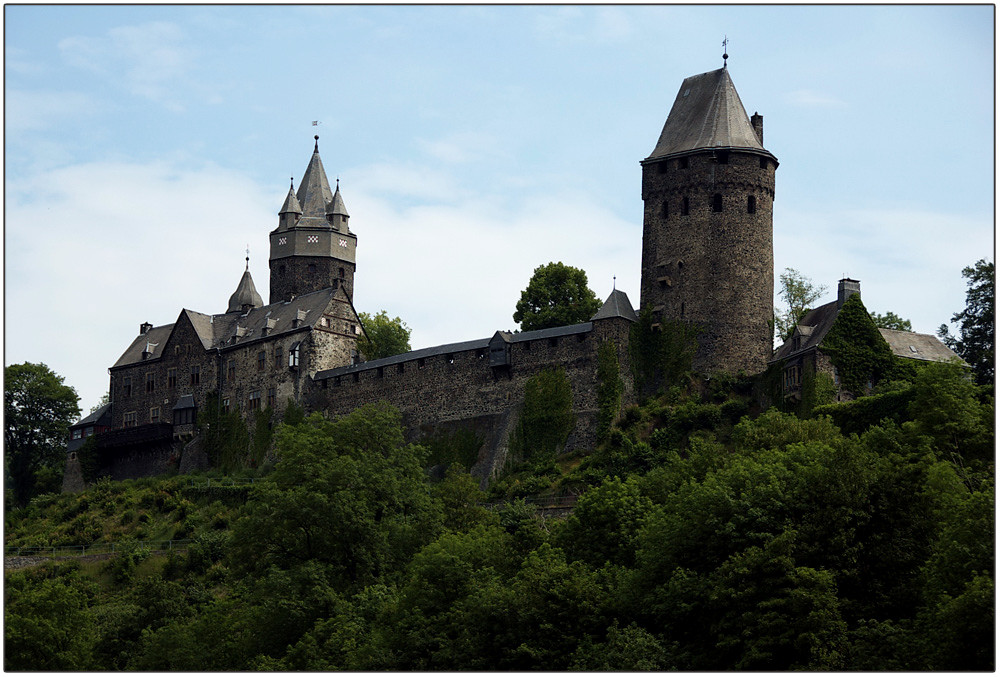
[{"x": 146, "y": 148}]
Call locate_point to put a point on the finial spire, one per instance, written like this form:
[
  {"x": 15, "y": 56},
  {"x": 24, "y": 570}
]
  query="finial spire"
[
  {"x": 614, "y": 282},
  {"x": 316, "y": 147},
  {"x": 725, "y": 41},
  {"x": 248, "y": 256}
]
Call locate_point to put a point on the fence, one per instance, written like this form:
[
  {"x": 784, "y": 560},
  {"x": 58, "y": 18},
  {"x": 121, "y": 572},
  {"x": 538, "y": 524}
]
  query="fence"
[
  {"x": 93, "y": 548},
  {"x": 538, "y": 503},
  {"x": 223, "y": 482}
]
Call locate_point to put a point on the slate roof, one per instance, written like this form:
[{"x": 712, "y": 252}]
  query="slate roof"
[
  {"x": 617, "y": 305},
  {"x": 337, "y": 205},
  {"x": 553, "y": 332},
  {"x": 813, "y": 328},
  {"x": 707, "y": 113},
  {"x": 291, "y": 203},
  {"x": 314, "y": 192},
  {"x": 221, "y": 331},
  {"x": 94, "y": 416},
  {"x": 926, "y": 347}
]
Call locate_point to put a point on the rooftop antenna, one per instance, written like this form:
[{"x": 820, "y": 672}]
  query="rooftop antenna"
[{"x": 725, "y": 41}]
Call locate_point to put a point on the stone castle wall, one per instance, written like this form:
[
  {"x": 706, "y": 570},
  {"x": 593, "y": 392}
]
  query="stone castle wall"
[{"x": 708, "y": 260}]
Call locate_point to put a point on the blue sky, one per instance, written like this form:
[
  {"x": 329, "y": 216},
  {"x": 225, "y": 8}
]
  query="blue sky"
[{"x": 147, "y": 146}]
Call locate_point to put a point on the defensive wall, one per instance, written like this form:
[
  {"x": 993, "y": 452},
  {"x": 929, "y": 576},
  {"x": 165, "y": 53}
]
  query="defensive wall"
[{"x": 478, "y": 385}]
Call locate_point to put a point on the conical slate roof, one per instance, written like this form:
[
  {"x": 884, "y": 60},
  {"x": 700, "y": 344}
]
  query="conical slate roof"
[
  {"x": 245, "y": 295},
  {"x": 337, "y": 205},
  {"x": 314, "y": 192},
  {"x": 617, "y": 305},
  {"x": 291, "y": 204},
  {"x": 707, "y": 113}
]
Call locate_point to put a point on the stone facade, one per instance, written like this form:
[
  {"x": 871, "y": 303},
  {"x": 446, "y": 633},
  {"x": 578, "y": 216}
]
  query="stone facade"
[{"x": 707, "y": 255}]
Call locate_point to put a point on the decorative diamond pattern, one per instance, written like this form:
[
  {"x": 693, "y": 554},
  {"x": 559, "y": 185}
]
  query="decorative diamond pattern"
[
  {"x": 282, "y": 240},
  {"x": 343, "y": 243},
  {"x": 313, "y": 239}
]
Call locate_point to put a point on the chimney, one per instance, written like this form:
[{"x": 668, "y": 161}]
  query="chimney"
[
  {"x": 757, "y": 122},
  {"x": 846, "y": 288},
  {"x": 144, "y": 327}
]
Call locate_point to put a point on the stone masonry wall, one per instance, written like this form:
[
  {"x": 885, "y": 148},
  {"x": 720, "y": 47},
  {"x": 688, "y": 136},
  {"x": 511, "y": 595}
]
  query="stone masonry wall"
[
  {"x": 711, "y": 264},
  {"x": 461, "y": 389}
]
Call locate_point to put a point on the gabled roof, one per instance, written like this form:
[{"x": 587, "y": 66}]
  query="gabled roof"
[
  {"x": 925, "y": 347},
  {"x": 811, "y": 331},
  {"x": 94, "y": 416},
  {"x": 706, "y": 114},
  {"x": 155, "y": 340},
  {"x": 617, "y": 305}
]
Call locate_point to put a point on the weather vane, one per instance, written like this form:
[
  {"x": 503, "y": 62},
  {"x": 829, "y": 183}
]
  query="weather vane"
[{"x": 725, "y": 41}]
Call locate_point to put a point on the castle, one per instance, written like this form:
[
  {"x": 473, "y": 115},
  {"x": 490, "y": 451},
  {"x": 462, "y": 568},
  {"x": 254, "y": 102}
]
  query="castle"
[{"x": 707, "y": 189}]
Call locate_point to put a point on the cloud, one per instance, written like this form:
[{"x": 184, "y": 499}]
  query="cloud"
[
  {"x": 809, "y": 98},
  {"x": 151, "y": 59},
  {"x": 463, "y": 147},
  {"x": 36, "y": 110}
]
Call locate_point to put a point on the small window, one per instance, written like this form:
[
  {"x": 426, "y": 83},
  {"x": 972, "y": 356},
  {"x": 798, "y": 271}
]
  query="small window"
[
  {"x": 312, "y": 267},
  {"x": 449, "y": 358},
  {"x": 225, "y": 405},
  {"x": 127, "y": 386},
  {"x": 399, "y": 368},
  {"x": 682, "y": 309},
  {"x": 527, "y": 346},
  {"x": 231, "y": 370},
  {"x": 665, "y": 209},
  {"x": 717, "y": 202},
  {"x": 88, "y": 431},
  {"x": 77, "y": 434},
  {"x": 722, "y": 157},
  {"x": 380, "y": 372},
  {"x": 272, "y": 397},
  {"x": 172, "y": 377},
  {"x": 254, "y": 400},
  {"x": 277, "y": 357},
  {"x": 195, "y": 375},
  {"x": 661, "y": 168},
  {"x": 150, "y": 382},
  {"x": 480, "y": 353},
  {"x": 128, "y": 420},
  {"x": 553, "y": 342},
  {"x": 682, "y": 163},
  {"x": 751, "y": 204},
  {"x": 763, "y": 163},
  {"x": 341, "y": 273},
  {"x": 281, "y": 270},
  {"x": 420, "y": 363},
  {"x": 293, "y": 356},
  {"x": 154, "y": 415},
  {"x": 261, "y": 360},
  {"x": 685, "y": 207}
]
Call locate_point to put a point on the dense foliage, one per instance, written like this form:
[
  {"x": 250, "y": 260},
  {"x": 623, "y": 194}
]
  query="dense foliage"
[
  {"x": 384, "y": 336},
  {"x": 557, "y": 295},
  {"x": 857, "y": 349},
  {"x": 890, "y": 320},
  {"x": 799, "y": 293},
  {"x": 38, "y": 409},
  {"x": 976, "y": 340},
  {"x": 704, "y": 538}
]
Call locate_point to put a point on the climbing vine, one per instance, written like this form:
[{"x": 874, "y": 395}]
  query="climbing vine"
[
  {"x": 546, "y": 418},
  {"x": 661, "y": 355},
  {"x": 857, "y": 349},
  {"x": 609, "y": 388}
]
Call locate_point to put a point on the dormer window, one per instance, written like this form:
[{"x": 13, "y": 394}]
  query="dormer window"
[{"x": 293, "y": 356}]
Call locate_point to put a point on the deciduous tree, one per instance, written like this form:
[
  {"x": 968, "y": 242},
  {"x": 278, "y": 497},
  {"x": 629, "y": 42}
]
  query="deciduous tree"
[
  {"x": 799, "y": 293},
  {"x": 557, "y": 295},
  {"x": 976, "y": 340},
  {"x": 384, "y": 336}
]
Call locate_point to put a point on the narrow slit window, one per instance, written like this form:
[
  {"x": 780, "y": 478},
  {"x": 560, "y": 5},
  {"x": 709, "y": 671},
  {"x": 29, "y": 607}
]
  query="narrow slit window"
[
  {"x": 685, "y": 207},
  {"x": 751, "y": 204},
  {"x": 717, "y": 202}
]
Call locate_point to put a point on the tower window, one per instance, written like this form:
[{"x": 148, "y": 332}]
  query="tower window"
[
  {"x": 751, "y": 204},
  {"x": 281, "y": 270},
  {"x": 685, "y": 208},
  {"x": 682, "y": 309},
  {"x": 717, "y": 202},
  {"x": 722, "y": 157},
  {"x": 665, "y": 209},
  {"x": 661, "y": 168},
  {"x": 341, "y": 273},
  {"x": 682, "y": 163},
  {"x": 312, "y": 267},
  {"x": 763, "y": 163}
]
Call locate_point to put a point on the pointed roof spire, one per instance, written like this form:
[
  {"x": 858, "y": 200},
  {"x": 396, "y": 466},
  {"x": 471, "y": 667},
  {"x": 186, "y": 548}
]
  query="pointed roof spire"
[
  {"x": 617, "y": 305},
  {"x": 336, "y": 205},
  {"x": 314, "y": 191},
  {"x": 245, "y": 296},
  {"x": 706, "y": 114},
  {"x": 291, "y": 205}
]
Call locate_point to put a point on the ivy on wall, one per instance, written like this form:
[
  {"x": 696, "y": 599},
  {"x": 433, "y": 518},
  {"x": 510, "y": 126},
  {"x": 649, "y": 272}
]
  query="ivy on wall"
[
  {"x": 546, "y": 418},
  {"x": 609, "y": 388},
  {"x": 662, "y": 355},
  {"x": 857, "y": 349}
]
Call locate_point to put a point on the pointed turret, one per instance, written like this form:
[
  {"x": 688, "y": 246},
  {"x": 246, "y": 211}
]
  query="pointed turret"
[
  {"x": 314, "y": 192},
  {"x": 336, "y": 212},
  {"x": 245, "y": 297},
  {"x": 290, "y": 210}
]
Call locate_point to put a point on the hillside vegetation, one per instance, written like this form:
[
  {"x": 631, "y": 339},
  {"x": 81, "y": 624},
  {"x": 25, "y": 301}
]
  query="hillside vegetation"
[{"x": 707, "y": 536}]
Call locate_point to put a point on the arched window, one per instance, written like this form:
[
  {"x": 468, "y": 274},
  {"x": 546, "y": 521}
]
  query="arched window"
[
  {"x": 717, "y": 202},
  {"x": 751, "y": 204}
]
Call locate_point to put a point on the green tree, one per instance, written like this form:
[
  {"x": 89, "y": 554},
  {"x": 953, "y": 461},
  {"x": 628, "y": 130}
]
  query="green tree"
[
  {"x": 976, "y": 340},
  {"x": 38, "y": 410},
  {"x": 47, "y": 625},
  {"x": 384, "y": 336},
  {"x": 891, "y": 320},
  {"x": 798, "y": 293},
  {"x": 557, "y": 295}
]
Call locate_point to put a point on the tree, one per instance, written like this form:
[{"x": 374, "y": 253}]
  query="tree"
[
  {"x": 799, "y": 293},
  {"x": 557, "y": 295},
  {"x": 38, "y": 409},
  {"x": 891, "y": 320},
  {"x": 975, "y": 342},
  {"x": 384, "y": 336}
]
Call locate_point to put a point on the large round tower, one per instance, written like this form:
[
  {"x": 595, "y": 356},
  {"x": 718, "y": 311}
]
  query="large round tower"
[{"x": 707, "y": 258}]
